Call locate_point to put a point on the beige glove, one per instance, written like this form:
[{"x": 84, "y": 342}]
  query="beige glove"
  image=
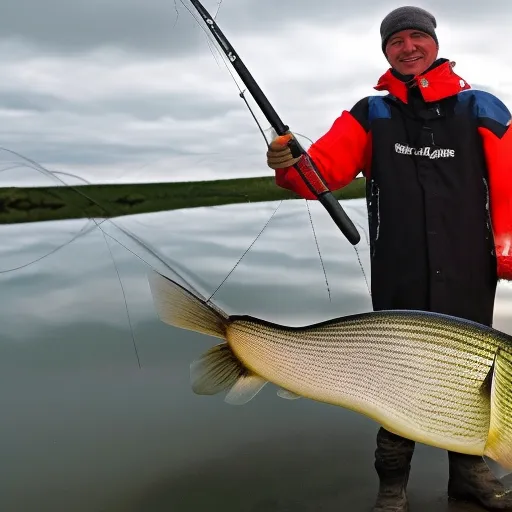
[{"x": 279, "y": 154}]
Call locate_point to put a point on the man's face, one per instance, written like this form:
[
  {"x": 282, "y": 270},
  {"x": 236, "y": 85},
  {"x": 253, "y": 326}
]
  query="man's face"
[{"x": 411, "y": 52}]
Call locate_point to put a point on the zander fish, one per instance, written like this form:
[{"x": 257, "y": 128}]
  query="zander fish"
[{"x": 432, "y": 378}]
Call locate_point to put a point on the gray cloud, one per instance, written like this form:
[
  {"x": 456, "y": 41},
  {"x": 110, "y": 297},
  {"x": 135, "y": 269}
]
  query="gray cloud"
[
  {"x": 179, "y": 106},
  {"x": 67, "y": 26},
  {"x": 153, "y": 26},
  {"x": 11, "y": 100},
  {"x": 118, "y": 89}
]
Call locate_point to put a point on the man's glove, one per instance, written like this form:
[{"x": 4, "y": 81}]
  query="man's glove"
[{"x": 282, "y": 153}]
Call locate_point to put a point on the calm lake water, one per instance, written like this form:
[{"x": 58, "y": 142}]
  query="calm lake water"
[{"x": 85, "y": 429}]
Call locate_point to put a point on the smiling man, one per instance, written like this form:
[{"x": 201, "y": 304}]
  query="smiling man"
[
  {"x": 409, "y": 51},
  {"x": 437, "y": 157}
]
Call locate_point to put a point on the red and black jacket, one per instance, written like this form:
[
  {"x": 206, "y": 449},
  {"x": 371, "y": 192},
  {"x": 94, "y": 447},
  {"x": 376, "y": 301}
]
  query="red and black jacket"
[{"x": 437, "y": 156}]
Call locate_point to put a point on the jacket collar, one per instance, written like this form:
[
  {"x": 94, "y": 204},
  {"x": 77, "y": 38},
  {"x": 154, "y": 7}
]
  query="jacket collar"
[{"x": 436, "y": 83}]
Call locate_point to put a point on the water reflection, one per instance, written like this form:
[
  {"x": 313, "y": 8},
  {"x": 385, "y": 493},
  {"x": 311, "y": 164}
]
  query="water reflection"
[{"x": 84, "y": 429}]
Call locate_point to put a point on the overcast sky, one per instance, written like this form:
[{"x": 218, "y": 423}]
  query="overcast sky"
[{"x": 128, "y": 90}]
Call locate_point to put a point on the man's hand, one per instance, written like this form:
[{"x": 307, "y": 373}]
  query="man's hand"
[{"x": 279, "y": 154}]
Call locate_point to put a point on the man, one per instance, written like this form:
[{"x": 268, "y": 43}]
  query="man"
[{"x": 437, "y": 157}]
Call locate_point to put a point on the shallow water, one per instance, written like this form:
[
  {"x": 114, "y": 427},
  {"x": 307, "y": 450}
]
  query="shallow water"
[{"x": 85, "y": 429}]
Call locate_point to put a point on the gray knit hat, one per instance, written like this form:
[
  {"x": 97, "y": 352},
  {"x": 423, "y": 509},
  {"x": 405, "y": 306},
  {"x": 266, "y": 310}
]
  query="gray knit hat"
[{"x": 404, "y": 18}]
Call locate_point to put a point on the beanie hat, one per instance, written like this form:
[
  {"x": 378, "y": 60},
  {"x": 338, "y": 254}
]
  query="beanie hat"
[{"x": 405, "y": 18}]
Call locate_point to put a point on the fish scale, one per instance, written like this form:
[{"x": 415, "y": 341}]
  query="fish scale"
[{"x": 420, "y": 366}]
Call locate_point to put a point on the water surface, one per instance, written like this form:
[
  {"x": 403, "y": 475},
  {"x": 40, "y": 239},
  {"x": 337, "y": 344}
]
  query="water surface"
[{"x": 85, "y": 429}]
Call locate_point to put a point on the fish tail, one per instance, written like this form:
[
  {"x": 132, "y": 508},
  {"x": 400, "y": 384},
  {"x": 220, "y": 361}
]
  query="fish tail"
[
  {"x": 499, "y": 439},
  {"x": 218, "y": 369},
  {"x": 178, "y": 307}
]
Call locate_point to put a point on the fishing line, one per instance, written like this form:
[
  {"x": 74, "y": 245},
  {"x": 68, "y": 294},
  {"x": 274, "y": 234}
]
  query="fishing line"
[
  {"x": 364, "y": 231},
  {"x": 219, "y": 3},
  {"x": 212, "y": 46},
  {"x": 51, "y": 175},
  {"x": 177, "y": 14},
  {"x": 319, "y": 253},
  {"x": 124, "y": 297},
  {"x": 242, "y": 95},
  {"x": 223, "y": 57},
  {"x": 362, "y": 270},
  {"x": 82, "y": 232},
  {"x": 208, "y": 42},
  {"x": 34, "y": 165},
  {"x": 359, "y": 258},
  {"x": 156, "y": 255},
  {"x": 246, "y": 251},
  {"x": 153, "y": 252}
]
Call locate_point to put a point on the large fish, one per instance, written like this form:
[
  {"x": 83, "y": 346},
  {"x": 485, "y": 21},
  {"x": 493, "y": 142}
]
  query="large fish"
[{"x": 432, "y": 378}]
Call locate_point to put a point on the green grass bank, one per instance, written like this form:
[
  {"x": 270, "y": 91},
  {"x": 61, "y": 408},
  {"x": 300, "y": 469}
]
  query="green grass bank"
[{"x": 19, "y": 204}]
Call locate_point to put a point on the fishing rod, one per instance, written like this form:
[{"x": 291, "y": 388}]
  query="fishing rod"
[{"x": 305, "y": 166}]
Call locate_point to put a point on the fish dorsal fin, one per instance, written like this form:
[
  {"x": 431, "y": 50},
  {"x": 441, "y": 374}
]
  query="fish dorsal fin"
[
  {"x": 499, "y": 439},
  {"x": 178, "y": 307},
  {"x": 215, "y": 371},
  {"x": 245, "y": 389},
  {"x": 287, "y": 395}
]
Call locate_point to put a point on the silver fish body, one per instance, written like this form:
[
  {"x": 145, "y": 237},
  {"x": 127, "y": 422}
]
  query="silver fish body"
[{"x": 436, "y": 379}]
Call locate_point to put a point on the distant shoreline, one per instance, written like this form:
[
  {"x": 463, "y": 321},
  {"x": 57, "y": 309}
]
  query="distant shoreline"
[{"x": 37, "y": 204}]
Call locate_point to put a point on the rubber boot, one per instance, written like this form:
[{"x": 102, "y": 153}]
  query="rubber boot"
[
  {"x": 393, "y": 464},
  {"x": 470, "y": 479}
]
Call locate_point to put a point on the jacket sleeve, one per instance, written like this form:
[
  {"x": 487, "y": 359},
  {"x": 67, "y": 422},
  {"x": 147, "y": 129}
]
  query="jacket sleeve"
[
  {"x": 494, "y": 128},
  {"x": 339, "y": 154}
]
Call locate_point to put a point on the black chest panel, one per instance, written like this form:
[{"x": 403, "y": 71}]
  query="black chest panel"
[{"x": 427, "y": 196}]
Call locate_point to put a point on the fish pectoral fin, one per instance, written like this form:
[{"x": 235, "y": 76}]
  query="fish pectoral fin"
[
  {"x": 245, "y": 389},
  {"x": 219, "y": 370},
  {"x": 216, "y": 370},
  {"x": 287, "y": 395},
  {"x": 499, "y": 439}
]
